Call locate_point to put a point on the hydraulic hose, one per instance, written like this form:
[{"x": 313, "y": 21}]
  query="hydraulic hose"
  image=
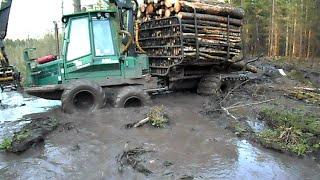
[
  {"x": 129, "y": 41},
  {"x": 137, "y": 38}
]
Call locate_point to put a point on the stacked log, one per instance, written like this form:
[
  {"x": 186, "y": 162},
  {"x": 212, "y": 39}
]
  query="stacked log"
[{"x": 211, "y": 30}]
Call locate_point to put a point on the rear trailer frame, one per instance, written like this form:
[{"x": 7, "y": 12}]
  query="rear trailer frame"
[{"x": 166, "y": 43}]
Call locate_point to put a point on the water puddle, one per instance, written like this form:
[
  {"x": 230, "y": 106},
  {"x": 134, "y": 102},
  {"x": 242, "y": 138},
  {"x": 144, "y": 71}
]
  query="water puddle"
[
  {"x": 256, "y": 125},
  {"x": 15, "y": 105},
  {"x": 254, "y": 163}
]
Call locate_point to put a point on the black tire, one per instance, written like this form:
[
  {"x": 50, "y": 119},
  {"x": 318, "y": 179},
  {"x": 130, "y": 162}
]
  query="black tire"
[
  {"x": 131, "y": 94},
  {"x": 83, "y": 96},
  {"x": 209, "y": 85}
]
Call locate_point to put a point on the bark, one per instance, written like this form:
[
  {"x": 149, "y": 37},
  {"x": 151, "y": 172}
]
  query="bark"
[
  {"x": 287, "y": 41},
  {"x": 309, "y": 44},
  {"x": 217, "y": 9},
  {"x": 206, "y": 17},
  {"x": 294, "y": 35}
]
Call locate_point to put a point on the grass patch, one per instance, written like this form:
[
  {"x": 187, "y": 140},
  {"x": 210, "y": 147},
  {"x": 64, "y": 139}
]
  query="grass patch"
[
  {"x": 294, "y": 132},
  {"x": 22, "y": 135},
  {"x": 299, "y": 76},
  {"x": 158, "y": 117},
  {"x": 306, "y": 122},
  {"x": 6, "y": 144}
]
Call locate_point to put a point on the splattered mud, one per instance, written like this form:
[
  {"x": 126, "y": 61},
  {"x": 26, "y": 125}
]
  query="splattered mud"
[{"x": 86, "y": 146}]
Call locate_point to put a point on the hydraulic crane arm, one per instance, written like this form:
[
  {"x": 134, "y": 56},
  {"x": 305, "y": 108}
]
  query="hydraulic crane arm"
[{"x": 5, "y": 7}]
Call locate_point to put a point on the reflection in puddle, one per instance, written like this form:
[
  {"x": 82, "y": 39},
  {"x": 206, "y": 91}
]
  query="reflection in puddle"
[
  {"x": 15, "y": 105},
  {"x": 256, "y": 163}
]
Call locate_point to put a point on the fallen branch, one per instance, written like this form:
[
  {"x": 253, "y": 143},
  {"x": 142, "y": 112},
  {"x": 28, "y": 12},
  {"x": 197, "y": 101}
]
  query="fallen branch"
[
  {"x": 316, "y": 90},
  {"x": 142, "y": 122},
  {"x": 228, "y": 113},
  {"x": 132, "y": 158},
  {"x": 250, "y": 104},
  {"x": 232, "y": 90}
]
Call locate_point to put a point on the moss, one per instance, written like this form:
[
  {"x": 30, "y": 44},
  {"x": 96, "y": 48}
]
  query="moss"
[{"x": 6, "y": 144}]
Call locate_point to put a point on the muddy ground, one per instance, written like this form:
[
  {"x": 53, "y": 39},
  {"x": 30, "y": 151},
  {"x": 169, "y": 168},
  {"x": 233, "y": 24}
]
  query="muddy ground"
[{"x": 195, "y": 144}]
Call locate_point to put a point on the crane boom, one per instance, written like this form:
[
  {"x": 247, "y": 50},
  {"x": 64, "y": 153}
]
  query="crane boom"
[{"x": 5, "y": 7}]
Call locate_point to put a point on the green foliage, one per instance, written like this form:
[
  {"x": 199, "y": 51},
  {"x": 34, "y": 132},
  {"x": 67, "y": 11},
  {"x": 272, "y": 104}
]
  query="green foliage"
[
  {"x": 6, "y": 144},
  {"x": 291, "y": 23},
  {"x": 157, "y": 116},
  {"x": 22, "y": 135},
  {"x": 294, "y": 132},
  {"x": 286, "y": 139},
  {"x": 316, "y": 146},
  {"x": 299, "y": 149},
  {"x": 305, "y": 122}
]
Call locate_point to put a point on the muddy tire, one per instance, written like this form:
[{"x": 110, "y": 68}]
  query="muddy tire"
[
  {"x": 131, "y": 96},
  {"x": 82, "y": 96},
  {"x": 209, "y": 85}
]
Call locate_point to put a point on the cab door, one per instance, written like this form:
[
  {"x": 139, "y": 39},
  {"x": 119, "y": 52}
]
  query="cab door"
[
  {"x": 90, "y": 51},
  {"x": 77, "y": 48}
]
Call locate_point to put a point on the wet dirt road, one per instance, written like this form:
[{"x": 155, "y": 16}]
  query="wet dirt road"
[{"x": 87, "y": 146}]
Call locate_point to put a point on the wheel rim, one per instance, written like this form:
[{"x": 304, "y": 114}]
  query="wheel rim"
[
  {"x": 84, "y": 100},
  {"x": 132, "y": 101}
]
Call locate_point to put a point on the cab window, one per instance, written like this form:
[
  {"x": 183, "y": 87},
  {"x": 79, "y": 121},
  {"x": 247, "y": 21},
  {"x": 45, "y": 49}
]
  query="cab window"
[
  {"x": 79, "y": 39},
  {"x": 103, "y": 43}
]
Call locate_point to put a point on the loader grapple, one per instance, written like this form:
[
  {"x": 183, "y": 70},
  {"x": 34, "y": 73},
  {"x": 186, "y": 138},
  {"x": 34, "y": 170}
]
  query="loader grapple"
[{"x": 9, "y": 78}]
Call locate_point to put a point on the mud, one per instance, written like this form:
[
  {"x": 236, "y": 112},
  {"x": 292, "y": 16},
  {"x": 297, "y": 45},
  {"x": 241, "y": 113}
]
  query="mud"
[
  {"x": 32, "y": 133},
  {"x": 86, "y": 146},
  {"x": 199, "y": 141}
]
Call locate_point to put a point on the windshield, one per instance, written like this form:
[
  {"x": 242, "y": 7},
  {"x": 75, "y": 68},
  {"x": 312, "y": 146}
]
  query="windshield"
[{"x": 103, "y": 43}]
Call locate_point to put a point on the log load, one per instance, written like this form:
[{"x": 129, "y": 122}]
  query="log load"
[{"x": 192, "y": 29}]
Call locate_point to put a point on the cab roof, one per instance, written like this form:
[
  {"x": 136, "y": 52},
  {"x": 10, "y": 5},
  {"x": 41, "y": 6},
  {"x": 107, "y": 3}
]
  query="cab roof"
[{"x": 108, "y": 10}]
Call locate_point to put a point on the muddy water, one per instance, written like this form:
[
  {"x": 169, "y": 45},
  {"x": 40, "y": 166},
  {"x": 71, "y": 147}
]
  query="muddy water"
[
  {"x": 15, "y": 105},
  {"x": 87, "y": 146}
]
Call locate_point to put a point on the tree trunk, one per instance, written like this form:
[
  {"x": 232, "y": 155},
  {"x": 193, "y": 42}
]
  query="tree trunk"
[
  {"x": 272, "y": 30},
  {"x": 77, "y": 5},
  {"x": 206, "y": 17},
  {"x": 294, "y": 34},
  {"x": 301, "y": 32},
  {"x": 217, "y": 9},
  {"x": 309, "y": 44},
  {"x": 287, "y": 40}
]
